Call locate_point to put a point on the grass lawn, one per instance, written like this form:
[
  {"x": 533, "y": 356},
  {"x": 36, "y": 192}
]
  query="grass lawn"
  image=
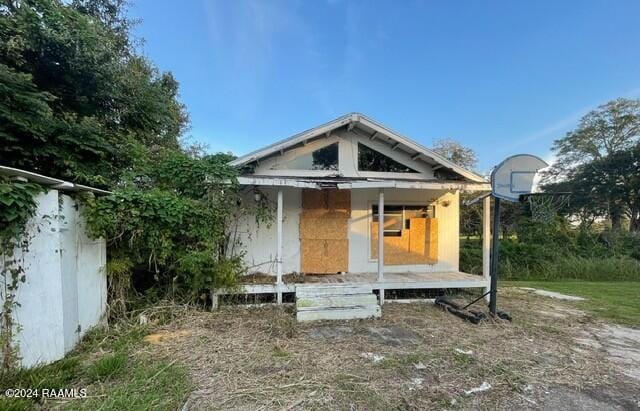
[
  {"x": 116, "y": 369},
  {"x": 615, "y": 301}
]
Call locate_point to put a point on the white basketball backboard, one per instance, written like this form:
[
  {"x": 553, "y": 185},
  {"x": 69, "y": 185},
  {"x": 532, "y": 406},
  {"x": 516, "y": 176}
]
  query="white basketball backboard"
[{"x": 514, "y": 176}]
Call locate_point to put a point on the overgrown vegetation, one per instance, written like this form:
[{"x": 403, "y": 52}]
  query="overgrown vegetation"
[
  {"x": 540, "y": 251},
  {"x": 17, "y": 205},
  {"x": 171, "y": 225},
  {"x": 114, "y": 367},
  {"x": 81, "y": 103}
]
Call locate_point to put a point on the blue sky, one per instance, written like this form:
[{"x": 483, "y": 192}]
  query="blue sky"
[{"x": 502, "y": 77}]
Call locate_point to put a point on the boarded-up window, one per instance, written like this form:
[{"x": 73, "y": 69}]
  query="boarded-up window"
[
  {"x": 414, "y": 240},
  {"x": 397, "y": 217},
  {"x": 372, "y": 160},
  {"x": 325, "y": 158}
]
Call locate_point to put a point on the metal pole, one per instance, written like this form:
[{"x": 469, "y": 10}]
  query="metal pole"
[
  {"x": 381, "y": 242},
  {"x": 495, "y": 255}
]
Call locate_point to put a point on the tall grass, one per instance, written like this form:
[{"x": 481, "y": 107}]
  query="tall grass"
[
  {"x": 575, "y": 268},
  {"x": 560, "y": 255}
]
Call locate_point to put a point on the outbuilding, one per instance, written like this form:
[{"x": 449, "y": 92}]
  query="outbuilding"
[{"x": 64, "y": 293}]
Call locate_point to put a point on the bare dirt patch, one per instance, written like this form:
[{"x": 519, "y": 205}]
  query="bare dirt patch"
[{"x": 415, "y": 357}]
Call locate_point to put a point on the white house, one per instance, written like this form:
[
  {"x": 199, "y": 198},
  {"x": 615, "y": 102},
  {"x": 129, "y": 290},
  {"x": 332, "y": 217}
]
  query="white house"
[
  {"x": 347, "y": 189},
  {"x": 65, "y": 288}
]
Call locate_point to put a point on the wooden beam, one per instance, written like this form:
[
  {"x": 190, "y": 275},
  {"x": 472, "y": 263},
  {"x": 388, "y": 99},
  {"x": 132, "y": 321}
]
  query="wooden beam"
[
  {"x": 351, "y": 126},
  {"x": 437, "y": 167},
  {"x": 416, "y": 156},
  {"x": 280, "y": 246},
  {"x": 327, "y": 134},
  {"x": 381, "y": 242},
  {"x": 373, "y": 136},
  {"x": 395, "y": 146},
  {"x": 486, "y": 241}
]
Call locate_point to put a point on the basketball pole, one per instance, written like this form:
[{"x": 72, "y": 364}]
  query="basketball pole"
[{"x": 495, "y": 253}]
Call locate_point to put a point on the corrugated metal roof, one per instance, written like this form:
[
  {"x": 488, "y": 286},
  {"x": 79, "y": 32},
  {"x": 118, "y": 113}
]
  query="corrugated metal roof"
[{"x": 55, "y": 183}]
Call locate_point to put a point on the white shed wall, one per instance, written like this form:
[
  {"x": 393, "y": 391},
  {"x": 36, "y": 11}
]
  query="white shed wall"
[{"x": 65, "y": 290}]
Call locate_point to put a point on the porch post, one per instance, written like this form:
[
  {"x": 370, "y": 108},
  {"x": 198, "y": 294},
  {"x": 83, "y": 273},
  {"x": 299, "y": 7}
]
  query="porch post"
[
  {"x": 486, "y": 242},
  {"x": 279, "y": 251},
  {"x": 381, "y": 243}
]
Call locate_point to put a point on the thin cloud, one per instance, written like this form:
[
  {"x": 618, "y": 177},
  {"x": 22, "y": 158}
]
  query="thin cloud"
[{"x": 565, "y": 124}]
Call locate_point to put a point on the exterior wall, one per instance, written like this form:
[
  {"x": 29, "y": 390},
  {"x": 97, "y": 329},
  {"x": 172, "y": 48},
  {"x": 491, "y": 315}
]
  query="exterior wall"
[
  {"x": 259, "y": 243},
  {"x": 91, "y": 278},
  {"x": 360, "y": 260},
  {"x": 65, "y": 289}
]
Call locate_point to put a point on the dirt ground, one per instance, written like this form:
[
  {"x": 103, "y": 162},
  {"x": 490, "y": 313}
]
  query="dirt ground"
[{"x": 416, "y": 356}]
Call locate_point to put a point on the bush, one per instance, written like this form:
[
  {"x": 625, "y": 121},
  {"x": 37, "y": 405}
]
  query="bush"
[{"x": 556, "y": 251}]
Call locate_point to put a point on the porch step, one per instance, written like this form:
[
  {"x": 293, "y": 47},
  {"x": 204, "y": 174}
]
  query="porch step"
[{"x": 335, "y": 302}]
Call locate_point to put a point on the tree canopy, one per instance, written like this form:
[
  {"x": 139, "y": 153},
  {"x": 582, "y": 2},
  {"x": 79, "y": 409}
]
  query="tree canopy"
[
  {"x": 456, "y": 152},
  {"x": 77, "y": 101},
  {"x": 598, "y": 163}
]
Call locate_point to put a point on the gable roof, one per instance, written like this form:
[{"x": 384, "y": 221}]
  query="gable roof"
[{"x": 360, "y": 123}]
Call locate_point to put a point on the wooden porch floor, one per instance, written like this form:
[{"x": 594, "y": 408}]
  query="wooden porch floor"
[
  {"x": 401, "y": 278},
  {"x": 392, "y": 281}
]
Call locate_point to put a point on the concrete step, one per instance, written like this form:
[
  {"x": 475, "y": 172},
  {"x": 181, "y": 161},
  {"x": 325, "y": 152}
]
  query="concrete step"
[
  {"x": 313, "y": 290},
  {"x": 335, "y": 313},
  {"x": 335, "y": 302},
  {"x": 330, "y": 301}
]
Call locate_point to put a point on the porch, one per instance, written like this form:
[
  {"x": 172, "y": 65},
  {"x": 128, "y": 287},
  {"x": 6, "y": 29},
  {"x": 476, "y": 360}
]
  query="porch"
[{"x": 390, "y": 281}]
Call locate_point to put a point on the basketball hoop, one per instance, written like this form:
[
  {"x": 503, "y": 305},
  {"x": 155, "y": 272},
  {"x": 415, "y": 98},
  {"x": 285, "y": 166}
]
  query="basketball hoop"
[{"x": 544, "y": 207}]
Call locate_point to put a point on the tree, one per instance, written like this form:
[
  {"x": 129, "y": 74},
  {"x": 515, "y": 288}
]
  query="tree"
[
  {"x": 76, "y": 99},
  {"x": 588, "y": 154},
  {"x": 454, "y": 151},
  {"x": 77, "y": 102},
  {"x": 612, "y": 180},
  {"x": 612, "y": 127}
]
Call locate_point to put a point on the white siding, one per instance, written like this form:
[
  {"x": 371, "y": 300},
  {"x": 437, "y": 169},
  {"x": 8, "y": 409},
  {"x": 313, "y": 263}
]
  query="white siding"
[
  {"x": 259, "y": 242},
  {"x": 360, "y": 260}
]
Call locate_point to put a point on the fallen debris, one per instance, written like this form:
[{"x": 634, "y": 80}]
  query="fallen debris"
[
  {"x": 376, "y": 358},
  {"x": 553, "y": 294},
  {"x": 416, "y": 382},
  {"x": 485, "y": 386},
  {"x": 465, "y": 352},
  {"x": 420, "y": 366}
]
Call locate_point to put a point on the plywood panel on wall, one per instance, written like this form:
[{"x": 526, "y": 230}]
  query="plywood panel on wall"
[
  {"x": 417, "y": 244},
  {"x": 324, "y": 225},
  {"x": 324, "y": 256}
]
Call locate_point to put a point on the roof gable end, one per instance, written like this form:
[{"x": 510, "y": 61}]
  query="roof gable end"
[{"x": 365, "y": 127}]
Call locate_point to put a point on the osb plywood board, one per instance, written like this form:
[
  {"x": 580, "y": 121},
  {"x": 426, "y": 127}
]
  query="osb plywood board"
[
  {"x": 324, "y": 256},
  {"x": 324, "y": 225},
  {"x": 417, "y": 245},
  {"x": 432, "y": 238},
  {"x": 326, "y": 203},
  {"x": 324, "y": 228}
]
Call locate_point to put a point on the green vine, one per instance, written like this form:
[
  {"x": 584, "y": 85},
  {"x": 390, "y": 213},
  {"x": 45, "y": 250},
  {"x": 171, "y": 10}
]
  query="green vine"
[{"x": 17, "y": 206}]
